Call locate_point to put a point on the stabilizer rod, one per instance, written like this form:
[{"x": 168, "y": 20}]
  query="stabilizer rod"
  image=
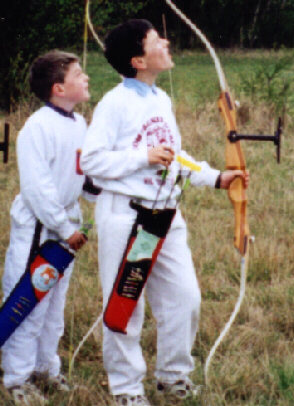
[{"x": 276, "y": 138}]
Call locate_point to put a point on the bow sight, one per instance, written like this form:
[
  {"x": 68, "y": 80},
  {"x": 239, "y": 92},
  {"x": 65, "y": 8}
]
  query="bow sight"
[
  {"x": 4, "y": 145},
  {"x": 276, "y": 139}
]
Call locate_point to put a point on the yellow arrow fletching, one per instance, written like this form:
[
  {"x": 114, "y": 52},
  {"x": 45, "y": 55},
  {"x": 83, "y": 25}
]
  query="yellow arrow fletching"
[{"x": 188, "y": 164}]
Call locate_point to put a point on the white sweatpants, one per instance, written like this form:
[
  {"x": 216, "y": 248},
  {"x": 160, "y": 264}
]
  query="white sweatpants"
[
  {"x": 172, "y": 292},
  {"x": 33, "y": 345}
]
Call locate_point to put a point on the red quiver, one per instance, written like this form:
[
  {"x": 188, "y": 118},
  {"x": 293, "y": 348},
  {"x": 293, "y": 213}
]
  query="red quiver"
[{"x": 147, "y": 236}]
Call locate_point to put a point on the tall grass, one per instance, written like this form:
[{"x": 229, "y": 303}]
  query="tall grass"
[{"x": 254, "y": 365}]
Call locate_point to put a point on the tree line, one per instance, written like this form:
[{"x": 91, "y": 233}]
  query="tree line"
[{"x": 28, "y": 28}]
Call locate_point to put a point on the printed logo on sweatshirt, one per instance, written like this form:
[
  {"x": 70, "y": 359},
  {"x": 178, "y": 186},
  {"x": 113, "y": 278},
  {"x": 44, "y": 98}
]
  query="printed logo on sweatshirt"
[
  {"x": 156, "y": 131},
  {"x": 45, "y": 277}
]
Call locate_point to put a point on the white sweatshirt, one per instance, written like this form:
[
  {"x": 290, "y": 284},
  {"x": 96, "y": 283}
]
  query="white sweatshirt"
[
  {"x": 49, "y": 184},
  {"x": 129, "y": 119}
]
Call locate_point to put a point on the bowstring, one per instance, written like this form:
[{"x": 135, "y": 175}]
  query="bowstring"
[
  {"x": 85, "y": 37},
  {"x": 169, "y": 71},
  {"x": 82, "y": 342},
  {"x": 199, "y": 33},
  {"x": 88, "y": 23},
  {"x": 228, "y": 325}
]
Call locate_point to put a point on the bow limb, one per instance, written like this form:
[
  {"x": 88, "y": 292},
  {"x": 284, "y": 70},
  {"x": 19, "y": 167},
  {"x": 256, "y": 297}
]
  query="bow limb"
[
  {"x": 91, "y": 27},
  {"x": 88, "y": 23},
  {"x": 236, "y": 192},
  {"x": 85, "y": 36},
  {"x": 244, "y": 266},
  {"x": 199, "y": 34},
  {"x": 82, "y": 342}
]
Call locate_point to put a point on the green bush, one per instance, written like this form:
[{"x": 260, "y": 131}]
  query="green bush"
[{"x": 271, "y": 82}]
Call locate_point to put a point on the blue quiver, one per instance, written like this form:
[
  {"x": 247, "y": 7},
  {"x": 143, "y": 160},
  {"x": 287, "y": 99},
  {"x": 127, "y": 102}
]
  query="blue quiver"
[{"x": 42, "y": 273}]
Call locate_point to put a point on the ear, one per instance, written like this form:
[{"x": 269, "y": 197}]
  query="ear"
[
  {"x": 138, "y": 62},
  {"x": 57, "y": 89}
]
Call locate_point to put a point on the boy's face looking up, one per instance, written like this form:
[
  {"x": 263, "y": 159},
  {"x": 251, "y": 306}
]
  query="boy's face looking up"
[
  {"x": 157, "y": 57},
  {"x": 74, "y": 89}
]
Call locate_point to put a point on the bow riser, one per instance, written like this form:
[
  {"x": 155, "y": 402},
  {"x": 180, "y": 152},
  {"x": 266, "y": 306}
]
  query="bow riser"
[{"x": 235, "y": 160}]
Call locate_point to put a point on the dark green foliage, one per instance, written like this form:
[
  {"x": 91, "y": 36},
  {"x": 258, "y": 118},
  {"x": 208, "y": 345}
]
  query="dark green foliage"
[
  {"x": 106, "y": 14},
  {"x": 30, "y": 27},
  {"x": 228, "y": 23}
]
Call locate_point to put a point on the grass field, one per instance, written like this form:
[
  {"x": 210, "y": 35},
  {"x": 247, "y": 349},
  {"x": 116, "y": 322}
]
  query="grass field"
[{"x": 255, "y": 364}]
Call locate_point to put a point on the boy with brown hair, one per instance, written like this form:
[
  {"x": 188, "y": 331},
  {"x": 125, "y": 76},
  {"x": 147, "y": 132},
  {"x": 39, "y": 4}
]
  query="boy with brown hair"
[
  {"x": 50, "y": 186},
  {"x": 133, "y": 137}
]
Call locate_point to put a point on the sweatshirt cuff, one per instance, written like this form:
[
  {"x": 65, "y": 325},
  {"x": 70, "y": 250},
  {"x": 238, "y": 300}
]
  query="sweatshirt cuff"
[
  {"x": 141, "y": 155},
  {"x": 217, "y": 184},
  {"x": 212, "y": 176},
  {"x": 66, "y": 230}
]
